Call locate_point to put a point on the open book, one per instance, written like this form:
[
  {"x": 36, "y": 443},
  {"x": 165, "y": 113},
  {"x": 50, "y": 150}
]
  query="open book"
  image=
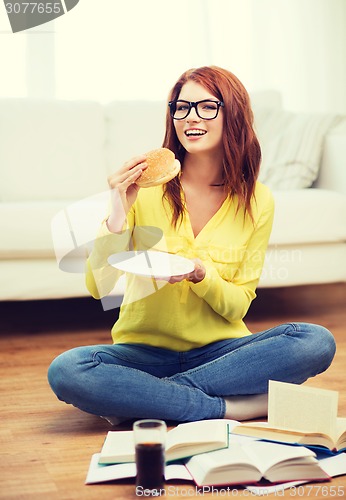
[
  {"x": 334, "y": 465},
  {"x": 245, "y": 461},
  {"x": 300, "y": 414},
  {"x": 99, "y": 473},
  {"x": 182, "y": 441},
  {"x": 256, "y": 460}
]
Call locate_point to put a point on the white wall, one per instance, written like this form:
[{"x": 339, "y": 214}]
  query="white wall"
[
  {"x": 135, "y": 49},
  {"x": 300, "y": 49}
]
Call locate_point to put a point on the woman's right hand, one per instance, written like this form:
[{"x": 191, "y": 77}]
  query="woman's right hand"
[{"x": 124, "y": 191}]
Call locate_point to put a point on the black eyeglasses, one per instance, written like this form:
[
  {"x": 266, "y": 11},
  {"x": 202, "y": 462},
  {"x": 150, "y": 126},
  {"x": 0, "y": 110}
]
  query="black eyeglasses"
[{"x": 206, "y": 109}]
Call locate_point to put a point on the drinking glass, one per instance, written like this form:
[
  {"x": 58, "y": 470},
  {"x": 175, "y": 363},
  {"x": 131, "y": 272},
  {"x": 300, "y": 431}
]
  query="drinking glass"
[{"x": 150, "y": 438}]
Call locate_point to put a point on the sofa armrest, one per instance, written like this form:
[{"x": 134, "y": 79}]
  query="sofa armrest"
[{"x": 332, "y": 175}]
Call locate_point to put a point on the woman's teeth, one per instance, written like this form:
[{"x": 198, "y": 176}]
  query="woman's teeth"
[{"x": 195, "y": 132}]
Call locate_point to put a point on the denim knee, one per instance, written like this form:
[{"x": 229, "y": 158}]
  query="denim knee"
[
  {"x": 61, "y": 373},
  {"x": 319, "y": 344},
  {"x": 54, "y": 375},
  {"x": 326, "y": 344}
]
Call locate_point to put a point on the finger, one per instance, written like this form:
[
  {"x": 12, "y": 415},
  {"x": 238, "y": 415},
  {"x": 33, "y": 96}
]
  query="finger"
[
  {"x": 178, "y": 278},
  {"x": 132, "y": 163},
  {"x": 198, "y": 274},
  {"x": 133, "y": 177},
  {"x": 161, "y": 278},
  {"x": 127, "y": 177},
  {"x": 129, "y": 183},
  {"x": 122, "y": 172},
  {"x": 195, "y": 276}
]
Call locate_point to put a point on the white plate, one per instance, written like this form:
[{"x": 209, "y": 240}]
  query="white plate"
[{"x": 151, "y": 264}]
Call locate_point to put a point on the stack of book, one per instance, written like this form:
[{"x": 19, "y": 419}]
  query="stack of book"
[{"x": 225, "y": 452}]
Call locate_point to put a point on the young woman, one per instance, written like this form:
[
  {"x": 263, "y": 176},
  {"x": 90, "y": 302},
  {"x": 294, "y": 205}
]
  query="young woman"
[{"x": 182, "y": 351}]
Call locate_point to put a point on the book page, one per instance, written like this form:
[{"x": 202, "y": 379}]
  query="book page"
[
  {"x": 219, "y": 459},
  {"x": 265, "y": 455},
  {"x": 333, "y": 466},
  {"x": 202, "y": 431},
  {"x": 301, "y": 408},
  {"x": 118, "y": 445},
  {"x": 177, "y": 471},
  {"x": 340, "y": 428},
  {"x": 99, "y": 473}
]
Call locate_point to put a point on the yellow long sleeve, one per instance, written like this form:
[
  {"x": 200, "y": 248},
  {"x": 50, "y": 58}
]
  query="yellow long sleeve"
[{"x": 186, "y": 315}]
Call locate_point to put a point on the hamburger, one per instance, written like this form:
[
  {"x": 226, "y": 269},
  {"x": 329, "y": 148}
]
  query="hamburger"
[{"x": 162, "y": 167}]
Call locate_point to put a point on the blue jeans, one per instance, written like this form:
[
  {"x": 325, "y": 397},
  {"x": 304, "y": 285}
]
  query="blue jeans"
[{"x": 140, "y": 381}]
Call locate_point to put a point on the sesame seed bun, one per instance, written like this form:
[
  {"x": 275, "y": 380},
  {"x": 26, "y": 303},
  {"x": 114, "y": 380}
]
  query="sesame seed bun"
[{"x": 162, "y": 167}]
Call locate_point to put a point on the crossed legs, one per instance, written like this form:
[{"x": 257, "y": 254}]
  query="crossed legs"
[{"x": 224, "y": 379}]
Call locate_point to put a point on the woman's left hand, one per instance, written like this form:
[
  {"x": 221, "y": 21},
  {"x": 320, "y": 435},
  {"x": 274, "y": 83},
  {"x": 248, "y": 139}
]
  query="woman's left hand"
[{"x": 195, "y": 276}]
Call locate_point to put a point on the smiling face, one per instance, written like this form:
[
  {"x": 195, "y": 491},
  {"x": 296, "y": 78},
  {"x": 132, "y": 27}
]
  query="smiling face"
[{"x": 196, "y": 135}]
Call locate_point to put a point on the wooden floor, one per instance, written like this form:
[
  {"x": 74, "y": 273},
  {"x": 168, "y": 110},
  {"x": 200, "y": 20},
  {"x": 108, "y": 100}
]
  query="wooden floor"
[{"x": 46, "y": 445}]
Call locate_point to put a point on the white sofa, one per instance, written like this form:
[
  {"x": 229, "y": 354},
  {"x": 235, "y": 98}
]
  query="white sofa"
[{"x": 55, "y": 157}]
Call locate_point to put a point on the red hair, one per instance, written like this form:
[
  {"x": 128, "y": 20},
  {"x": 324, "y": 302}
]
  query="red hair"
[{"x": 241, "y": 149}]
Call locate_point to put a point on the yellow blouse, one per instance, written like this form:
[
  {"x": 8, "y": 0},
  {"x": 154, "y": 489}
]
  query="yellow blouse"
[{"x": 184, "y": 315}]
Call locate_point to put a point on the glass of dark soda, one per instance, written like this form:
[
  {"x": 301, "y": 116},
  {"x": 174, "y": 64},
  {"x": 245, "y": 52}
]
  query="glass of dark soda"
[{"x": 150, "y": 438}]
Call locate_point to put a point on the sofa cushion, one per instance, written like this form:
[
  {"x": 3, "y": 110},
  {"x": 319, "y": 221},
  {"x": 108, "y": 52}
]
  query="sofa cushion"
[
  {"x": 30, "y": 279},
  {"x": 51, "y": 149},
  {"x": 74, "y": 230},
  {"x": 289, "y": 265},
  {"x": 292, "y": 146},
  {"x": 308, "y": 216},
  {"x": 48, "y": 229},
  {"x": 26, "y": 229}
]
